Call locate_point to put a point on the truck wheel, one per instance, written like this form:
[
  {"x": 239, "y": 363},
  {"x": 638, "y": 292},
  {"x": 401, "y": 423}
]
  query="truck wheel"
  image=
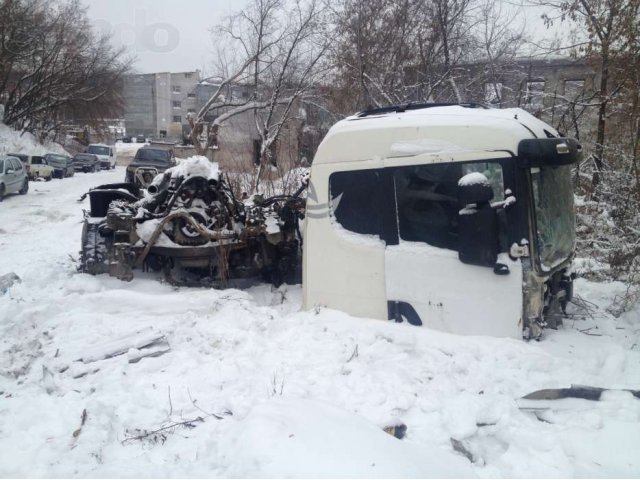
[{"x": 25, "y": 187}]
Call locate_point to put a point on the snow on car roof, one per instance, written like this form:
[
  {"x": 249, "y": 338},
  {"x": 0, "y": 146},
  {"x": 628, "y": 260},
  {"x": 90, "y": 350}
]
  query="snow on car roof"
[{"x": 442, "y": 129}]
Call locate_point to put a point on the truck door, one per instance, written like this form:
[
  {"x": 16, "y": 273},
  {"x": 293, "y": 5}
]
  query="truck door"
[{"x": 426, "y": 283}]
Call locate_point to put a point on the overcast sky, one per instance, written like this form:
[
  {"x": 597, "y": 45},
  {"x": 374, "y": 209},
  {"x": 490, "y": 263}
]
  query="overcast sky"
[
  {"x": 173, "y": 35},
  {"x": 165, "y": 35}
]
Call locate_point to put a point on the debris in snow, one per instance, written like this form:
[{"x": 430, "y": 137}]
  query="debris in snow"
[
  {"x": 575, "y": 391},
  {"x": 473, "y": 178},
  {"x": 136, "y": 355},
  {"x": 7, "y": 281},
  {"x": 144, "y": 338},
  {"x": 398, "y": 431},
  {"x": 78, "y": 431},
  {"x": 459, "y": 447}
]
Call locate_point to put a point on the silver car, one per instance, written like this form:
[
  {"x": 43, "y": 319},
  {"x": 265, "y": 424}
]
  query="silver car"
[{"x": 13, "y": 177}]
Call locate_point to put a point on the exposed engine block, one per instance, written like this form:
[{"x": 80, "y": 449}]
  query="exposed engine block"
[{"x": 190, "y": 225}]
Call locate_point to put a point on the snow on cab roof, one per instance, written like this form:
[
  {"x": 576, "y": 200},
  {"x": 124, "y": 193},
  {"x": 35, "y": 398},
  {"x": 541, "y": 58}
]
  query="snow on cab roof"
[{"x": 441, "y": 129}]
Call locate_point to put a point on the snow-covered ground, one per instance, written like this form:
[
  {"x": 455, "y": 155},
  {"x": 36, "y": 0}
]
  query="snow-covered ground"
[{"x": 254, "y": 387}]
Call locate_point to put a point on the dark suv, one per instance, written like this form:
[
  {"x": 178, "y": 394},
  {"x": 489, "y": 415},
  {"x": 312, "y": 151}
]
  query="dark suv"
[
  {"x": 62, "y": 165},
  {"x": 86, "y": 162},
  {"x": 147, "y": 163}
]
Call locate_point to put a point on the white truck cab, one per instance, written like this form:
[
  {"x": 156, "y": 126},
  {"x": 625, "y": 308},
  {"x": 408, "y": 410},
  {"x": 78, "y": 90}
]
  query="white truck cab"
[
  {"x": 106, "y": 155},
  {"x": 456, "y": 217}
]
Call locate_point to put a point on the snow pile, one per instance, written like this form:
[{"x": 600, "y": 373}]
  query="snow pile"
[
  {"x": 290, "y": 437},
  {"x": 196, "y": 166},
  {"x": 12, "y": 141},
  {"x": 244, "y": 383}
]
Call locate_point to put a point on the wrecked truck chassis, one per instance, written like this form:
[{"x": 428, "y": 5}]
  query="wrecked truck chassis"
[{"x": 217, "y": 240}]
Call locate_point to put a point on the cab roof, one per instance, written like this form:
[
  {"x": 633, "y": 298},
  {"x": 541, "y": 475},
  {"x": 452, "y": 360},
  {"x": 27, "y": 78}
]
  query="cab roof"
[{"x": 431, "y": 128}]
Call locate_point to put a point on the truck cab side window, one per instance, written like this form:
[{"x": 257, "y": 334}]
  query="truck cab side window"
[
  {"x": 356, "y": 198},
  {"x": 427, "y": 197},
  {"x": 428, "y": 203}
]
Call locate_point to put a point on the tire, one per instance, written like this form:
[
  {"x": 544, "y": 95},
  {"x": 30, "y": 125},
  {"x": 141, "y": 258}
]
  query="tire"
[
  {"x": 2, "y": 190},
  {"x": 25, "y": 187}
]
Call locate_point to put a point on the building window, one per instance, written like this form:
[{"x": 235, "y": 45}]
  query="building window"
[
  {"x": 573, "y": 89},
  {"x": 176, "y": 89},
  {"x": 534, "y": 95},
  {"x": 191, "y": 95},
  {"x": 191, "y": 110},
  {"x": 176, "y": 104},
  {"x": 493, "y": 92},
  {"x": 177, "y": 119},
  {"x": 188, "y": 75}
]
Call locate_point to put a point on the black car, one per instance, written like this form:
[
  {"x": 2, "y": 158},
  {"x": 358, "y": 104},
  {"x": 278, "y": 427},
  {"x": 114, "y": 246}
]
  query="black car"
[
  {"x": 62, "y": 165},
  {"x": 86, "y": 162},
  {"x": 147, "y": 163}
]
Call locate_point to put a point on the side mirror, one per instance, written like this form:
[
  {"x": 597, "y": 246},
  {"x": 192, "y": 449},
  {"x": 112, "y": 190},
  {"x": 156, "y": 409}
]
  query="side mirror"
[
  {"x": 111, "y": 154},
  {"x": 10, "y": 171},
  {"x": 478, "y": 230}
]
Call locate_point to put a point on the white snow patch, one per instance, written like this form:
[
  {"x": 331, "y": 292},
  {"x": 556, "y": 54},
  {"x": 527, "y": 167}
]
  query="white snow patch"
[
  {"x": 280, "y": 370},
  {"x": 196, "y": 166},
  {"x": 473, "y": 178},
  {"x": 12, "y": 141},
  {"x": 293, "y": 438},
  {"x": 423, "y": 146}
]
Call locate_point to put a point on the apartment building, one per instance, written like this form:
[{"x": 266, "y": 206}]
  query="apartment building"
[{"x": 157, "y": 104}]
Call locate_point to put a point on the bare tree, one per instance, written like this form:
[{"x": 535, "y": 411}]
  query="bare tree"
[
  {"x": 283, "y": 46},
  {"x": 612, "y": 35},
  {"x": 53, "y": 66}
]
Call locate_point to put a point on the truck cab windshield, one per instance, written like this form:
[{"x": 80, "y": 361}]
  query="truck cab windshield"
[
  {"x": 96, "y": 150},
  {"x": 555, "y": 219}
]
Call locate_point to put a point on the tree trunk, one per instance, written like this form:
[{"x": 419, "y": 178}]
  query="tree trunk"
[{"x": 602, "y": 111}]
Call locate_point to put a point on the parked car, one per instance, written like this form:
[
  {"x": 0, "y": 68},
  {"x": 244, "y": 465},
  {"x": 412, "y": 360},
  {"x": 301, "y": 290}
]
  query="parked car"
[
  {"x": 13, "y": 177},
  {"x": 105, "y": 153},
  {"x": 62, "y": 165},
  {"x": 126, "y": 139},
  {"x": 86, "y": 162},
  {"x": 36, "y": 166},
  {"x": 148, "y": 163}
]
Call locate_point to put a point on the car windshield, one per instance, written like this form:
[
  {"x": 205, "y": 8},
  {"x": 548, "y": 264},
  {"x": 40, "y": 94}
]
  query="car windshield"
[
  {"x": 57, "y": 159},
  {"x": 553, "y": 196},
  {"x": 155, "y": 156},
  {"x": 96, "y": 150}
]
